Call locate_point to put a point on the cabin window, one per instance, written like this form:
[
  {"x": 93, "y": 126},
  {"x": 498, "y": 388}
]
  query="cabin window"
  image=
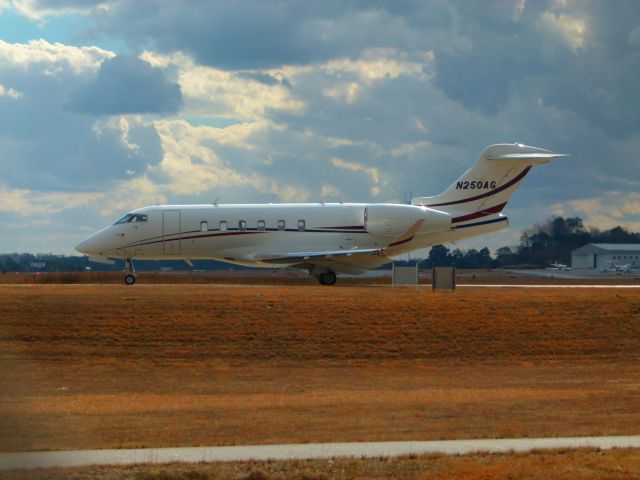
[
  {"x": 242, "y": 225},
  {"x": 262, "y": 225},
  {"x": 223, "y": 226},
  {"x": 301, "y": 225},
  {"x": 282, "y": 225},
  {"x": 204, "y": 226}
]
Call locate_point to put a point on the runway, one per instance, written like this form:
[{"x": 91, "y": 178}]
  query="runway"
[
  {"x": 542, "y": 286},
  {"x": 23, "y": 460},
  {"x": 425, "y": 286}
]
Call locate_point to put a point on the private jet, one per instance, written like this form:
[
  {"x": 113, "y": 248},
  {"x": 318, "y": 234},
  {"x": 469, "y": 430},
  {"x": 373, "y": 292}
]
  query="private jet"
[
  {"x": 616, "y": 268},
  {"x": 322, "y": 238},
  {"x": 559, "y": 266}
]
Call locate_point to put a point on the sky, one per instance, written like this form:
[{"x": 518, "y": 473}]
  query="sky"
[{"x": 107, "y": 106}]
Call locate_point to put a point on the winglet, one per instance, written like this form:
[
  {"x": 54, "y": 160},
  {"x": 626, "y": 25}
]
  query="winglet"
[{"x": 405, "y": 237}]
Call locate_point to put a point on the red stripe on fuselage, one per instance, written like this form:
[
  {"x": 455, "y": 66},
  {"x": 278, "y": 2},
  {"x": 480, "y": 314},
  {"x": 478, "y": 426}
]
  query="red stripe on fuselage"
[
  {"x": 217, "y": 234},
  {"x": 479, "y": 214},
  {"x": 222, "y": 234},
  {"x": 488, "y": 194},
  {"x": 354, "y": 227}
]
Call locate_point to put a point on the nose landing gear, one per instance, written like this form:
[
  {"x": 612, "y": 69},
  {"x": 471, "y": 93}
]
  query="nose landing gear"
[{"x": 130, "y": 277}]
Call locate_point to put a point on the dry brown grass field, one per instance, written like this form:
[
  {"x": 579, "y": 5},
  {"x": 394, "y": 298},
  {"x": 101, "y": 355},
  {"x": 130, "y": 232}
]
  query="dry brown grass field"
[
  {"x": 109, "y": 366},
  {"x": 299, "y": 277}
]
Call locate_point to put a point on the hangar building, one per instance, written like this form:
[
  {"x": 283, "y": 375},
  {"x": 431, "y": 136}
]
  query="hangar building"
[{"x": 600, "y": 255}]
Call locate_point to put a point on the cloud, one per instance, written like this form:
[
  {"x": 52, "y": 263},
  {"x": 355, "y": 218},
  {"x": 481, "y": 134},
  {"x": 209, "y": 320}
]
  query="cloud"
[
  {"x": 25, "y": 202},
  {"x": 211, "y": 92},
  {"x": 571, "y": 29},
  {"x": 244, "y": 34},
  {"x": 40, "y": 9},
  {"x": 373, "y": 173},
  {"x": 44, "y": 146},
  {"x": 52, "y": 59},
  {"x": 126, "y": 85},
  {"x": 634, "y": 36},
  {"x": 188, "y": 164},
  {"x": 605, "y": 211},
  {"x": 9, "y": 93}
]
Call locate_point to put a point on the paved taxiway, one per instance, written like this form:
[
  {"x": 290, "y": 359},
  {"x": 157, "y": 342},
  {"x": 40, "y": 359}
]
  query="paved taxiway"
[
  {"x": 543, "y": 286},
  {"x": 237, "y": 285},
  {"x": 304, "y": 451}
]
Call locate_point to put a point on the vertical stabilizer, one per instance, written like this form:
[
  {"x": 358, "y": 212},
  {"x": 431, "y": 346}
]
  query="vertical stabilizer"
[{"x": 488, "y": 185}]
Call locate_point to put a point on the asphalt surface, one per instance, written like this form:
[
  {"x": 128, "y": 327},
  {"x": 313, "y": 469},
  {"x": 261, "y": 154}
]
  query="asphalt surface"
[
  {"x": 22, "y": 460},
  {"x": 544, "y": 286}
]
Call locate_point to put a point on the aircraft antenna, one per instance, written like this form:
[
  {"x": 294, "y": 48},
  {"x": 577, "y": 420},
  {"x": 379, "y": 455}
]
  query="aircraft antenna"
[
  {"x": 215, "y": 202},
  {"x": 407, "y": 199}
]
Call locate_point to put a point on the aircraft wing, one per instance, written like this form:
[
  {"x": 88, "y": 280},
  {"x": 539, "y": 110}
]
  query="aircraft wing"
[
  {"x": 353, "y": 261},
  {"x": 101, "y": 259},
  {"x": 302, "y": 256},
  {"x": 344, "y": 261}
]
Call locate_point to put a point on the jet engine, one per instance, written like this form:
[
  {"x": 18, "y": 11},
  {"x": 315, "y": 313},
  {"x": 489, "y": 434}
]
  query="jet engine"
[{"x": 392, "y": 220}]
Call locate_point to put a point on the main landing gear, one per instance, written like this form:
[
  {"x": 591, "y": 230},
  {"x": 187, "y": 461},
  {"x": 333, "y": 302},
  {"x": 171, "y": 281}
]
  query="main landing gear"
[
  {"x": 130, "y": 277},
  {"x": 327, "y": 278}
]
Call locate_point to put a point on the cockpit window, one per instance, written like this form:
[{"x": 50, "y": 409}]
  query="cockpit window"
[
  {"x": 132, "y": 218},
  {"x": 123, "y": 219}
]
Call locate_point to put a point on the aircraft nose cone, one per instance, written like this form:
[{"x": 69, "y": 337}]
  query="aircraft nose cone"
[{"x": 83, "y": 247}]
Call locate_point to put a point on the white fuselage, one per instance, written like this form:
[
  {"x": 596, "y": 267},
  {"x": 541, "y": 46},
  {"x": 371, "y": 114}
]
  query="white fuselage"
[
  {"x": 243, "y": 234},
  {"x": 322, "y": 238}
]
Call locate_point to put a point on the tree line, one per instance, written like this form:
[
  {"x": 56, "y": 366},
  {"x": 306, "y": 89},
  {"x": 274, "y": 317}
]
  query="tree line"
[{"x": 545, "y": 243}]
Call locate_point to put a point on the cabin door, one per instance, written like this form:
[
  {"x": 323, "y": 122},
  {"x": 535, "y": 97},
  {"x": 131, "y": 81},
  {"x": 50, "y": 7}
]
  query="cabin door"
[{"x": 171, "y": 232}]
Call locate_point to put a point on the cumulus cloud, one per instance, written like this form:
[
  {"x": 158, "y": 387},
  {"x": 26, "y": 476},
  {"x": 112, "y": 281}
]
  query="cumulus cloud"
[
  {"x": 244, "y": 34},
  {"x": 190, "y": 166},
  {"x": 9, "y": 93},
  {"x": 608, "y": 210},
  {"x": 51, "y": 59},
  {"x": 26, "y": 202},
  {"x": 211, "y": 92},
  {"x": 571, "y": 29},
  {"x": 40, "y": 9},
  {"x": 48, "y": 148},
  {"x": 634, "y": 36},
  {"x": 126, "y": 85}
]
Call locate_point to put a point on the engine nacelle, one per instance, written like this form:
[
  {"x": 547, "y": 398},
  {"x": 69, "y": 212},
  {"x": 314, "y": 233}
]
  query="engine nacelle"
[{"x": 393, "y": 220}]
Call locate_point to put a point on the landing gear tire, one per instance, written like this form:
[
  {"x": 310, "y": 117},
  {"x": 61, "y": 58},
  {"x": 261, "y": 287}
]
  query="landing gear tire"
[
  {"x": 327, "y": 278},
  {"x": 129, "y": 278}
]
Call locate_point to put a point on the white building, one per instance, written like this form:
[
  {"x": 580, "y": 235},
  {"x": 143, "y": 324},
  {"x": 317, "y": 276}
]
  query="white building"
[{"x": 602, "y": 255}]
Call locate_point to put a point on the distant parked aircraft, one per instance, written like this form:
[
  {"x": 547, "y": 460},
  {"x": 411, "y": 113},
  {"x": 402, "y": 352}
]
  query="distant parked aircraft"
[
  {"x": 614, "y": 267},
  {"x": 558, "y": 266},
  {"x": 322, "y": 238}
]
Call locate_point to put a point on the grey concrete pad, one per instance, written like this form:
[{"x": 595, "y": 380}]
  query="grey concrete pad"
[{"x": 23, "y": 460}]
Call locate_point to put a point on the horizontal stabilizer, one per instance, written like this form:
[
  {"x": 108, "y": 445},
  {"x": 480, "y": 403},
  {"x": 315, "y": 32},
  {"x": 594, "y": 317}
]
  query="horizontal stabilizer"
[{"x": 527, "y": 156}]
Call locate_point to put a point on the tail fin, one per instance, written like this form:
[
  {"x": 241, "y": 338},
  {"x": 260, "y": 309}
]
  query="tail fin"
[{"x": 488, "y": 185}]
